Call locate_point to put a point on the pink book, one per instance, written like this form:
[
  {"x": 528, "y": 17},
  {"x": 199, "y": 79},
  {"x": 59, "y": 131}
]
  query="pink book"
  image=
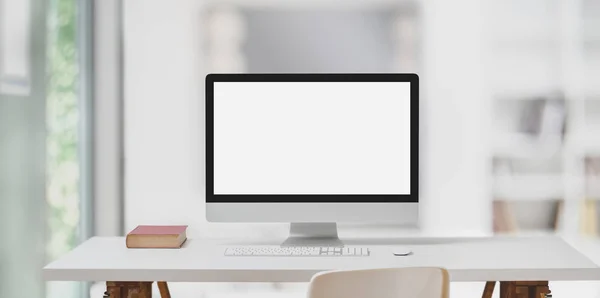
[{"x": 156, "y": 237}]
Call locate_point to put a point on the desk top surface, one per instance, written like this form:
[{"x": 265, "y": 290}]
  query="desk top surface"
[{"x": 202, "y": 260}]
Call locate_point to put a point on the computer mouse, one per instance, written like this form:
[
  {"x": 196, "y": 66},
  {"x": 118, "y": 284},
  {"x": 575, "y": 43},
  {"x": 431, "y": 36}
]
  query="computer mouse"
[{"x": 401, "y": 251}]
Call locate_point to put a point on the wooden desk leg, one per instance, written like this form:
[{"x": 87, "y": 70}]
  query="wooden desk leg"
[
  {"x": 489, "y": 289},
  {"x": 163, "y": 288},
  {"x": 524, "y": 289},
  {"x": 118, "y": 289}
]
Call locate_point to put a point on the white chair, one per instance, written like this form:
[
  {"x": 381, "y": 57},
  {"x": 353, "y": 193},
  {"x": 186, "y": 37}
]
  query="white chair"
[{"x": 381, "y": 283}]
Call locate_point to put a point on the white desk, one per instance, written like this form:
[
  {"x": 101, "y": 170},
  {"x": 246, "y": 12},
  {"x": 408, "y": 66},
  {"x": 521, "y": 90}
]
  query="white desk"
[{"x": 202, "y": 260}]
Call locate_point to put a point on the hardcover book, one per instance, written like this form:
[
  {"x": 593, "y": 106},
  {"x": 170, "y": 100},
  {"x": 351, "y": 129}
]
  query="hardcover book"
[{"x": 156, "y": 237}]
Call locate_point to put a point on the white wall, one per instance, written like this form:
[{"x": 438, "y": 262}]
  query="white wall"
[
  {"x": 456, "y": 196},
  {"x": 107, "y": 146},
  {"x": 164, "y": 112},
  {"x": 164, "y": 128}
]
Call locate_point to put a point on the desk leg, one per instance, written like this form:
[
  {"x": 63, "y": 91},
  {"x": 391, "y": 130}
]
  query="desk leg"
[
  {"x": 163, "y": 288},
  {"x": 523, "y": 289},
  {"x": 489, "y": 289},
  {"x": 128, "y": 289}
]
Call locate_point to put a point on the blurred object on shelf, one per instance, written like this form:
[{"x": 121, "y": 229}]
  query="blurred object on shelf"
[
  {"x": 560, "y": 205},
  {"x": 589, "y": 218},
  {"x": 405, "y": 38},
  {"x": 502, "y": 166},
  {"x": 536, "y": 215},
  {"x": 504, "y": 220},
  {"x": 530, "y": 127},
  {"x": 531, "y": 117},
  {"x": 592, "y": 166},
  {"x": 592, "y": 177},
  {"x": 554, "y": 117},
  {"x": 532, "y": 166},
  {"x": 545, "y": 117},
  {"x": 225, "y": 34},
  {"x": 510, "y": 217}
]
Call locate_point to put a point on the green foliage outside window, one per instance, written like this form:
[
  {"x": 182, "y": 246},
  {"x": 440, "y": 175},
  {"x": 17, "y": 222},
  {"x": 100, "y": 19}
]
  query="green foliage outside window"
[{"x": 62, "y": 125}]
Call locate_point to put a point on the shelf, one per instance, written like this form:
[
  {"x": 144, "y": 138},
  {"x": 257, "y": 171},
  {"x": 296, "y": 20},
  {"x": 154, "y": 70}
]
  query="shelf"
[
  {"x": 524, "y": 187},
  {"x": 529, "y": 233},
  {"x": 532, "y": 174},
  {"x": 590, "y": 93},
  {"x": 524, "y": 94},
  {"x": 519, "y": 145}
]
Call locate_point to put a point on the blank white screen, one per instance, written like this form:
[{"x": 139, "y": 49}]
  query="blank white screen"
[{"x": 312, "y": 138}]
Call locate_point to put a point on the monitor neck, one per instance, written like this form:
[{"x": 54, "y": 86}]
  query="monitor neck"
[{"x": 313, "y": 234}]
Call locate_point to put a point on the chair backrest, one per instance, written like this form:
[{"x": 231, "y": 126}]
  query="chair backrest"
[{"x": 381, "y": 283}]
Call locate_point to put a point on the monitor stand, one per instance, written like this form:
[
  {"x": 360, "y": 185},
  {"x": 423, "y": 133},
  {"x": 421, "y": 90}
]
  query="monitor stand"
[{"x": 313, "y": 234}]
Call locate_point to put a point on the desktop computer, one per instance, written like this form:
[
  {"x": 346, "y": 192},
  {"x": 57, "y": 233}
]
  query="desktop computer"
[{"x": 312, "y": 150}]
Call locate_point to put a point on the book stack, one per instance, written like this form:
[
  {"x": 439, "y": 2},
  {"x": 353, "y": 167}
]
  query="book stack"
[{"x": 156, "y": 237}]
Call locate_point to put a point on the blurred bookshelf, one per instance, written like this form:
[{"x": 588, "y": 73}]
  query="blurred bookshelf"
[{"x": 544, "y": 83}]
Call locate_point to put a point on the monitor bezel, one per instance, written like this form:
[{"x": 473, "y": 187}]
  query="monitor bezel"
[{"x": 413, "y": 197}]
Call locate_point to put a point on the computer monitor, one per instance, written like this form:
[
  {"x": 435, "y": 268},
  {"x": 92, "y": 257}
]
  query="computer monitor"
[{"x": 312, "y": 150}]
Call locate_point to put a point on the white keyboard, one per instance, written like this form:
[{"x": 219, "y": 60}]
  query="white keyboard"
[{"x": 276, "y": 251}]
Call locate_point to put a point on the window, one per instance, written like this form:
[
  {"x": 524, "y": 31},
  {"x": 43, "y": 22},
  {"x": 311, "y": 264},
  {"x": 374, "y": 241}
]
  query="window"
[
  {"x": 66, "y": 134},
  {"x": 62, "y": 127}
]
